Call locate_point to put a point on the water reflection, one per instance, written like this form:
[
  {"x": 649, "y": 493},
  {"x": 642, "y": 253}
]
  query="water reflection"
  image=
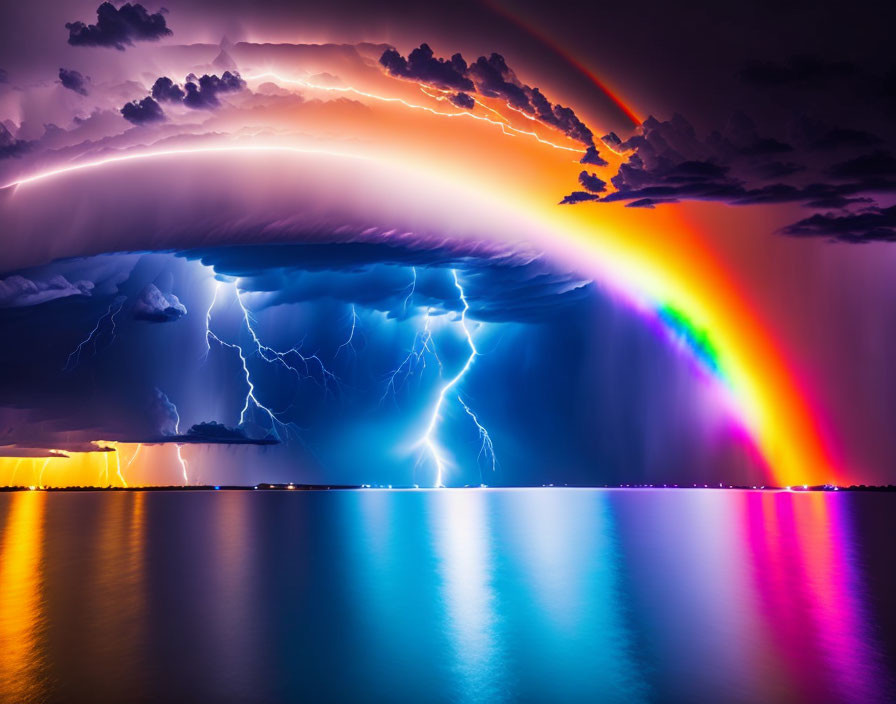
[
  {"x": 805, "y": 578},
  {"x": 21, "y": 660},
  {"x": 546, "y": 595},
  {"x": 461, "y": 533}
]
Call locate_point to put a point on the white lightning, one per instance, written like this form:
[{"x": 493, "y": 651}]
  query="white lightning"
[
  {"x": 415, "y": 359},
  {"x": 289, "y": 359},
  {"x": 507, "y": 129},
  {"x": 74, "y": 359},
  {"x": 327, "y": 379},
  {"x": 351, "y": 335},
  {"x": 412, "y": 289},
  {"x": 486, "y": 448},
  {"x": 428, "y": 439},
  {"x": 178, "y": 446},
  {"x": 184, "y": 151}
]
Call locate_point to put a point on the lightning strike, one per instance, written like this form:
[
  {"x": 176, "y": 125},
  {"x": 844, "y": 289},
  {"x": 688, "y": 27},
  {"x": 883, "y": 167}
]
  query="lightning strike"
[
  {"x": 415, "y": 359},
  {"x": 74, "y": 358},
  {"x": 180, "y": 457},
  {"x": 15, "y": 468},
  {"x": 40, "y": 476},
  {"x": 486, "y": 448},
  {"x": 289, "y": 359},
  {"x": 324, "y": 378},
  {"x": 351, "y": 335},
  {"x": 428, "y": 439},
  {"x": 412, "y": 290},
  {"x": 118, "y": 473}
]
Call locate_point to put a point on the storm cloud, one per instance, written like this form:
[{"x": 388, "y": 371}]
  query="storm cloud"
[
  {"x": 19, "y": 292},
  {"x": 668, "y": 162},
  {"x": 489, "y": 77},
  {"x": 154, "y": 306},
  {"x": 141, "y": 112},
  {"x": 118, "y": 27},
  {"x": 73, "y": 80}
]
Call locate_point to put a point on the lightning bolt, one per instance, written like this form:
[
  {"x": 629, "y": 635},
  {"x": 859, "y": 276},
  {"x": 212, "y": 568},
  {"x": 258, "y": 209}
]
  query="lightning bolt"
[
  {"x": 428, "y": 439},
  {"x": 351, "y": 334},
  {"x": 134, "y": 456},
  {"x": 272, "y": 356},
  {"x": 74, "y": 359},
  {"x": 293, "y": 360},
  {"x": 40, "y": 476},
  {"x": 507, "y": 129},
  {"x": 15, "y": 469},
  {"x": 415, "y": 359},
  {"x": 412, "y": 289},
  {"x": 208, "y": 319},
  {"x": 486, "y": 448},
  {"x": 118, "y": 469},
  {"x": 179, "y": 446}
]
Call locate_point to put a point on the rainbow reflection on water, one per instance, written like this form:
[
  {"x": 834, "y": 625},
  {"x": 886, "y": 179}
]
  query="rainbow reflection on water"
[{"x": 470, "y": 595}]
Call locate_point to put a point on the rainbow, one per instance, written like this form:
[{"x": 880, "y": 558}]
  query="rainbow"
[
  {"x": 684, "y": 287},
  {"x": 560, "y": 51}
]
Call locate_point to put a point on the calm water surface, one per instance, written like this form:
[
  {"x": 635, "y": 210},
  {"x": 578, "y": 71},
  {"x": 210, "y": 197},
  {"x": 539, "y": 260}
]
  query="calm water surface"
[{"x": 469, "y": 595}]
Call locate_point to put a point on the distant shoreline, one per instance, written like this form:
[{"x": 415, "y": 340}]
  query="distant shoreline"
[{"x": 351, "y": 487}]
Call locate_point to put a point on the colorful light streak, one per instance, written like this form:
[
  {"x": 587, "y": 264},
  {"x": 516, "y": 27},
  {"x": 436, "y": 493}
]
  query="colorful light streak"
[{"x": 560, "y": 51}]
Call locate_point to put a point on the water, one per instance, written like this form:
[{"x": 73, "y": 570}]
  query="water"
[{"x": 454, "y": 595}]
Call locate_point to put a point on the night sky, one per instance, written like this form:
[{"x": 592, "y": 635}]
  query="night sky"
[{"x": 501, "y": 243}]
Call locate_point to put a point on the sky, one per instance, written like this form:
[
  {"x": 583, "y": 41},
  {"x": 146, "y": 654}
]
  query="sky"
[{"x": 492, "y": 242}]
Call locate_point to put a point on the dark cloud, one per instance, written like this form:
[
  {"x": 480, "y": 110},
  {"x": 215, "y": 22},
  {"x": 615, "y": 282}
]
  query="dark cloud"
[
  {"x": 490, "y": 77},
  {"x": 878, "y": 164},
  {"x": 645, "y": 203},
  {"x": 421, "y": 65},
  {"x": 462, "y": 100},
  {"x": 19, "y": 292},
  {"x": 163, "y": 414},
  {"x": 213, "y": 433},
  {"x": 141, "y": 112},
  {"x": 592, "y": 185},
  {"x": 118, "y": 27},
  {"x": 590, "y": 182},
  {"x": 4, "y": 76},
  {"x": 578, "y": 197},
  {"x": 204, "y": 93},
  {"x": 28, "y": 449},
  {"x": 29, "y": 452},
  {"x": 154, "y": 306},
  {"x": 612, "y": 140},
  {"x": 10, "y": 146},
  {"x": 668, "y": 163},
  {"x": 378, "y": 276},
  {"x": 494, "y": 79},
  {"x": 166, "y": 90},
  {"x": 592, "y": 157},
  {"x": 73, "y": 80},
  {"x": 868, "y": 225}
]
